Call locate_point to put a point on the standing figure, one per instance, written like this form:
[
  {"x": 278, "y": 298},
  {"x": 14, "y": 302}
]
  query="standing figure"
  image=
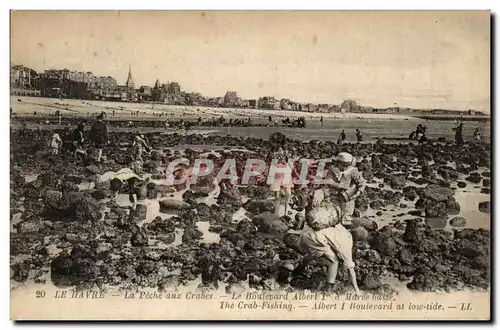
[
  {"x": 459, "y": 138},
  {"x": 55, "y": 143},
  {"x": 278, "y": 157},
  {"x": 346, "y": 182},
  {"x": 477, "y": 135},
  {"x": 99, "y": 135},
  {"x": 359, "y": 136},
  {"x": 341, "y": 137}
]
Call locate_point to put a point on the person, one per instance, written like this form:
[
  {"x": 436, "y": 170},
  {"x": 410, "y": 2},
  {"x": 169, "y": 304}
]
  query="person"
[
  {"x": 113, "y": 112},
  {"x": 341, "y": 137},
  {"x": 140, "y": 145},
  {"x": 459, "y": 138},
  {"x": 55, "y": 143},
  {"x": 126, "y": 177},
  {"x": 167, "y": 123},
  {"x": 279, "y": 157},
  {"x": 321, "y": 120},
  {"x": 77, "y": 140},
  {"x": 199, "y": 121},
  {"x": 99, "y": 135},
  {"x": 359, "y": 136},
  {"x": 346, "y": 182},
  {"x": 477, "y": 135},
  {"x": 326, "y": 238}
]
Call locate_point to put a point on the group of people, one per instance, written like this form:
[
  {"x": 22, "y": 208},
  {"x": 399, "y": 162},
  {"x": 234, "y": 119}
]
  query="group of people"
[
  {"x": 328, "y": 208},
  {"x": 342, "y": 137}
]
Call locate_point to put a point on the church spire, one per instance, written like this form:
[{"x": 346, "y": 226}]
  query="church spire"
[{"x": 130, "y": 82}]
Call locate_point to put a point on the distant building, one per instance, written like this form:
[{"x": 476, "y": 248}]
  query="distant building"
[
  {"x": 269, "y": 102},
  {"x": 231, "y": 99},
  {"x": 130, "y": 81},
  {"x": 106, "y": 83},
  {"x": 22, "y": 81},
  {"x": 252, "y": 104}
]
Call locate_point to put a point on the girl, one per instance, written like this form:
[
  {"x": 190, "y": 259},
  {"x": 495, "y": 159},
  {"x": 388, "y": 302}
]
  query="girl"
[{"x": 279, "y": 158}]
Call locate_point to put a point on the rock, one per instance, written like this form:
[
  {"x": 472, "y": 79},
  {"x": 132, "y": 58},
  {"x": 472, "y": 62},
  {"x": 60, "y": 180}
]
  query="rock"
[
  {"x": 486, "y": 174},
  {"x": 29, "y": 226},
  {"x": 461, "y": 184},
  {"x": 437, "y": 193},
  {"x": 410, "y": 193},
  {"x": 412, "y": 233},
  {"x": 435, "y": 210},
  {"x": 235, "y": 288},
  {"x": 365, "y": 223},
  {"x": 202, "y": 190},
  {"x": 152, "y": 255},
  {"x": 438, "y": 222},
  {"x": 99, "y": 194},
  {"x": 474, "y": 177},
  {"x": 362, "y": 203},
  {"x": 452, "y": 206},
  {"x": 458, "y": 222},
  {"x": 371, "y": 282},
  {"x": 167, "y": 238},
  {"x": 484, "y": 207},
  {"x": 270, "y": 223},
  {"x": 373, "y": 256},
  {"x": 78, "y": 267},
  {"x": 485, "y": 191},
  {"x": 163, "y": 189},
  {"x": 486, "y": 182},
  {"x": 377, "y": 204},
  {"x": 359, "y": 234},
  {"x": 141, "y": 211},
  {"x": 403, "y": 206},
  {"x": 20, "y": 271},
  {"x": 258, "y": 206},
  {"x": 291, "y": 240},
  {"x": 379, "y": 213},
  {"x": 406, "y": 257},
  {"x": 191, "y": 235},
  {"x": 231, "y": 197},
  {"x": 386, "y": 246},
  {"x": 396, "y": 182},
  {"x": 139, "y": 237},
  {"x": 93, "y": 169},
  {"x": 167, "y": 205}
]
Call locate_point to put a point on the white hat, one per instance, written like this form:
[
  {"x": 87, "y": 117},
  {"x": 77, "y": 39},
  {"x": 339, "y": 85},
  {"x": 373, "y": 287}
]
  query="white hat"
[{"x": 345, "y": 157}]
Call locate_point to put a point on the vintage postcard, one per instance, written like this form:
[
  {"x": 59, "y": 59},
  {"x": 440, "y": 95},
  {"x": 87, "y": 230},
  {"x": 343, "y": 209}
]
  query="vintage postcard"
[{"x": 250, "y": 165}]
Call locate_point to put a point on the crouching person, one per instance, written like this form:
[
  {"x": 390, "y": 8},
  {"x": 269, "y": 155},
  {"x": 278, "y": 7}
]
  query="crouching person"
[
  {"x": 122, "y": 179},
  {"x": 325, "y": 237}
]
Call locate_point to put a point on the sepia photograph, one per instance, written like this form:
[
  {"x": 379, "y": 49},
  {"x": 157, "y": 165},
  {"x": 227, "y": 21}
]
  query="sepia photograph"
[{"x": 250, "y": 165}]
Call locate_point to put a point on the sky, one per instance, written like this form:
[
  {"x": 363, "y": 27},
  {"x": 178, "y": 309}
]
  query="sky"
[{"x": 418, "y": 59}]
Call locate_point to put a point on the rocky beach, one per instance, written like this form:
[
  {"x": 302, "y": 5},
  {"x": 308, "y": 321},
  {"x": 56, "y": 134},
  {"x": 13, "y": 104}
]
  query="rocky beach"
[{"x": 423, "y": 222}]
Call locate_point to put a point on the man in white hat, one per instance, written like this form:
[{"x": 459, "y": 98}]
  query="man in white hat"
[{"x": 346, "y": 183}]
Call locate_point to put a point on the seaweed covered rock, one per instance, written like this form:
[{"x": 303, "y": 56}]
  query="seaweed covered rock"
[
  {"x": 75, "y": 268},
  {"x": 168, "y": 205},
  {"x": 270, "y": 223},
  {"x": 258, "y": 206}
]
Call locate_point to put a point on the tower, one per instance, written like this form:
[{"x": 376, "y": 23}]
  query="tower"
[{"x": 130, "y": 82}]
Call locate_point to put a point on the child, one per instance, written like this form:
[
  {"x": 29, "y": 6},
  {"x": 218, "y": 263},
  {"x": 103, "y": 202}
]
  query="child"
[
  {"x": 55, "y": 143},
  {"x": 125, "y": 177},
  {"x": 279, "y": 158}
]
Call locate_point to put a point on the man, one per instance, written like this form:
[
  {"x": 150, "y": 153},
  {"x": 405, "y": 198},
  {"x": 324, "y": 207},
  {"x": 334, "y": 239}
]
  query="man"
[
  {"x": 325, "y": 237},
  {"x": 99, "y": 135},
  {"x": 341, "y": 137},
  {"x": 346, "y": 183},
  {"x": 459, "y": 138}
]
